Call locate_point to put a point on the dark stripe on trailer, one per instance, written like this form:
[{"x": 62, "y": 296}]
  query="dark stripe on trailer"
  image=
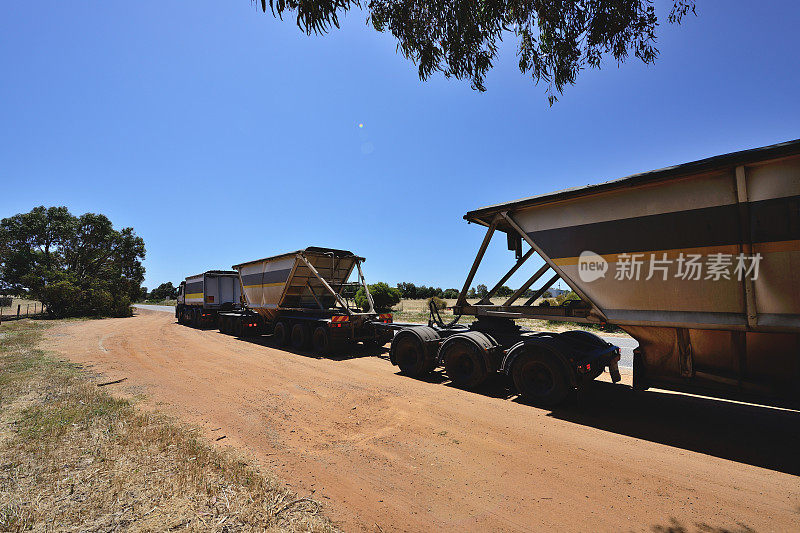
[
  {"x": 274, "y": 276},
  {"x": 772, "y": 220},
  {"x": 194, "y": 287}
]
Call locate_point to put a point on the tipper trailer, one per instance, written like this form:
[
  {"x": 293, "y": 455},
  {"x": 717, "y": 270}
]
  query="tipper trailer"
[
  {"x": 201, "y": 297},
  {"x": 301, "y": 299},
  {"x": 700, "y": 263}
]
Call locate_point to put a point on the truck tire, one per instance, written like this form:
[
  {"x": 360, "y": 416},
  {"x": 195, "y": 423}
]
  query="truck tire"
[
  {"x": 466, "y": 358},
  {"x": 281, "y": 333},
  {"x": 321, "y": 340},
  {"x": 300, "y": 336},
  {"x": 410, "y": 352},
  {"x": 236, "y": 326},
  {"x": 223, "y": 324},
  {"x": 540, "y": 378},
  {"x": 195, "y": 318}
]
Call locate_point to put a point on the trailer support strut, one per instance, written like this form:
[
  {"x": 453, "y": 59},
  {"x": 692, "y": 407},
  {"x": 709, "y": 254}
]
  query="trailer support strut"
[
  {"x": 325, "y": 284},
  {"x": 555, "y": 267},
  {"x": 366, "y": 289},
  {"x": 462, "y": 298},
  {"x": 519, "y": 263},
  {"x": 525, "y": 286}
]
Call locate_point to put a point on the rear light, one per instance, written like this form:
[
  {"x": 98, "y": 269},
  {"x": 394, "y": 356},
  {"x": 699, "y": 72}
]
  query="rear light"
[
  {"x": 584, "y": 368},
  {"x": 386, "y": 318}
]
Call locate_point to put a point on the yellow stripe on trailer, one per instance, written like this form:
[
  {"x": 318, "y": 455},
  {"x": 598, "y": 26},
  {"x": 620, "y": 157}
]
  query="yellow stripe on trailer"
[
  {"x": 265, "y": 285},
  {"x": 195, "y": 295}
]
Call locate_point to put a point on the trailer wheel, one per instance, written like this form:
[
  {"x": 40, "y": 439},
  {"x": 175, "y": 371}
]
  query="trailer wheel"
[
  {"x": 281, "y": 333},
  {"x": 195, "y": 318},
  {"x": 465, "y": 361},
  {"x": 409, "y": 353},
  {"x": 321, "y": 340},
  {"x": 539, "y": 378},
  {"x": 300, "y": 336},
  {"x": 236, "y": 327}
]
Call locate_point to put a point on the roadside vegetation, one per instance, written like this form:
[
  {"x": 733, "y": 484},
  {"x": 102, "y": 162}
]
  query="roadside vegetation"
[
  {"x": 75, "y": 265},
  {"x": 72, "y": 457}
]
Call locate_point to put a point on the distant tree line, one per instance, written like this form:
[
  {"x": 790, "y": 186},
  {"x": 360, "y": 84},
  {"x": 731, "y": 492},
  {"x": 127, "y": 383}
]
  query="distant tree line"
[
  {"x": 75, "y": 265},
  {"x": 165, "y": 291},
  {"x": 411, "y": 291}
]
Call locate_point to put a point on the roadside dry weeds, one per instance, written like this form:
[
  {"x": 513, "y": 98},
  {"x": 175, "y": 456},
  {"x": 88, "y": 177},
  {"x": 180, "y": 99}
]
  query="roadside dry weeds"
[{"x": 72, "y": 457}]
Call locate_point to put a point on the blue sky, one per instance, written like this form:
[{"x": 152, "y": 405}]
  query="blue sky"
[{"x": 222, "y": 135}]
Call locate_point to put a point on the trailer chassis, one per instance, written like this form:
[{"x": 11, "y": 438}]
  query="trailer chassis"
[{"x": 544, "y": 368}]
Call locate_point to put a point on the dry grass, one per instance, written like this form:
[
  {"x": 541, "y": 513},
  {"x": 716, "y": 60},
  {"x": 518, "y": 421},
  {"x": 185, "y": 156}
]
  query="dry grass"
[
  {"x": 74, "y": 458},
  {"x": 26, "y": 305}
]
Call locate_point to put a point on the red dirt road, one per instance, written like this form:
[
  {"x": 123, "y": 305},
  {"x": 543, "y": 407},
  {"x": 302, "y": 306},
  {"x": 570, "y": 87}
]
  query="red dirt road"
[{"x": 385, "y": 452}]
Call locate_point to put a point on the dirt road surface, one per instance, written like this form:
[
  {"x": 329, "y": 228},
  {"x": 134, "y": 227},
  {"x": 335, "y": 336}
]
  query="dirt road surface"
[{"x": 383, "y": 452}]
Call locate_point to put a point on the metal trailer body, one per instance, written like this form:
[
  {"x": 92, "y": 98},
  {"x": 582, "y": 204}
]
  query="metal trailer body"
[
  {"x": 298, "y": 297},
  {"x": 731, "y": 335},
  {"x": 202, "y": 296}
]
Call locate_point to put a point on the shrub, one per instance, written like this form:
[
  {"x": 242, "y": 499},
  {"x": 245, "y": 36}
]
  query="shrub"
[
  {"x": 383, "y": 295},
  {"x": 5, "y": 301},
  {"x": 561, "y": 298},
  {"x": 438, "y": 302}
]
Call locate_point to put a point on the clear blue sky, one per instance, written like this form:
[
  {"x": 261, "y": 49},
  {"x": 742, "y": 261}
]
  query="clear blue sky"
[{"x": 222, "y": 135}]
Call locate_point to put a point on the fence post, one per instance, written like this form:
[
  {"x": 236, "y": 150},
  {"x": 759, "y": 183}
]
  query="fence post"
[{"x": 18, "y": 308}]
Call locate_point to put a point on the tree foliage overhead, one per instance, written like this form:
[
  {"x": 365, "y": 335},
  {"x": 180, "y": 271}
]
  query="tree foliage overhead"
[
  {"x": 74, "y": 265},
  {"x": 556, "y": 39}
]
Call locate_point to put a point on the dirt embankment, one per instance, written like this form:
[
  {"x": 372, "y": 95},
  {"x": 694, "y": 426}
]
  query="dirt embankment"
[{"x": 385, "y": 452}]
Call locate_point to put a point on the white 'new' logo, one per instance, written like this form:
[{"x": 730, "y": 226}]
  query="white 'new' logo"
[{"x": 591, "y": 266}]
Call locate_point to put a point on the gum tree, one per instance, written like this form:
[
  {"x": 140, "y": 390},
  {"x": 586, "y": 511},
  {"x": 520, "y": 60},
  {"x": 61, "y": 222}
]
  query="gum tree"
[{"x": 555, "y": 39}]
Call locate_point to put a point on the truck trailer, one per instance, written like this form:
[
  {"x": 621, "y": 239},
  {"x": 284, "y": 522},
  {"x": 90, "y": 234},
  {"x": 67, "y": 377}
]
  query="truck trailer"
[
  {"x": 302, "y": 299},
  {"x": 201, "y": 297},
  {"x": 698, "y": 262}
]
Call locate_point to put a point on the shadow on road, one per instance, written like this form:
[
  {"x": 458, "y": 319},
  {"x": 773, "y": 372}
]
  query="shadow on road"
[
  {"x": 754, "y": 435},
  {"x": 354, "y": 351},
  {"x": 758, "y": 436}
]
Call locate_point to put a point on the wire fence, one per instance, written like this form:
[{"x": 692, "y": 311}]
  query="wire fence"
[{"x": 21, "y": 310}]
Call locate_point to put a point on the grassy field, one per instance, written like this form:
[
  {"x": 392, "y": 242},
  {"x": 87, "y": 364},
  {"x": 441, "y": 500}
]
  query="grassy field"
[
  {"x": 26, "y": 305},
  {"x": 72, "y": 457},
  {"x": 416, "y": 311}
]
